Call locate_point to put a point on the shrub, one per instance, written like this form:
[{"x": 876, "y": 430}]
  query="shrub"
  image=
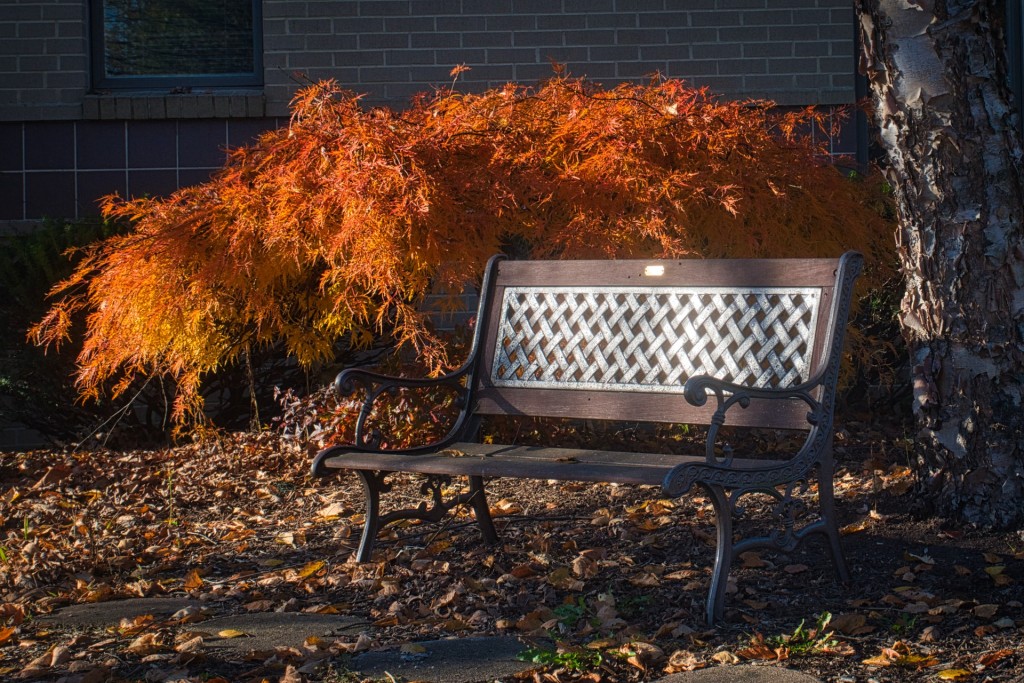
[{"x": 336, "y": 226}]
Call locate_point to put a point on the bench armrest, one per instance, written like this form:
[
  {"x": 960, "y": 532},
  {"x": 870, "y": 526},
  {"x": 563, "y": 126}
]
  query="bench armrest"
[
  {"x": 697, "y": 389},
  {"x": 718, "y": 469},
  {"x": 373, "y": 385}
]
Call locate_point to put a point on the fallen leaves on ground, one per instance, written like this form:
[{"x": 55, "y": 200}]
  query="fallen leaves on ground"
[{"x": 236, "y": 525}]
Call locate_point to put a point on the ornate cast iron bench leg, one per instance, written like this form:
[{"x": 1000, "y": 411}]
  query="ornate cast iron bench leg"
[
  {"x": 723, "y": 554},
  {"x": 374, "y": 484},
  {"x": 481, "y": 510},
  {"x": 726, "y": 506},
  {"x": 826, "y": 503}
]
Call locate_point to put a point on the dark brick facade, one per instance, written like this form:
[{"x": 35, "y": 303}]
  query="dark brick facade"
[{"x": 62, "y": 146}]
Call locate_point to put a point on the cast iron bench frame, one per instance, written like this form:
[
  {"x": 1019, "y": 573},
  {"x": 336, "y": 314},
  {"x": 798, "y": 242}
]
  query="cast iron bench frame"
[{"x": 635, "y": 341}]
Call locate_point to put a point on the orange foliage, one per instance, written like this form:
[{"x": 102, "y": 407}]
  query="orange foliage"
[{"x": 337, "y": 225}]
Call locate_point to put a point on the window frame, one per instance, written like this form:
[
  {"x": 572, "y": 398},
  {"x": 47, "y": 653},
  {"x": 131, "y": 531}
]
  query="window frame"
[{"x": 101, "y": 81}]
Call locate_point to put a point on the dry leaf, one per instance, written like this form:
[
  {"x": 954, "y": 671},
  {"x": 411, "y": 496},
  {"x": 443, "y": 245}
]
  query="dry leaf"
[
  {"x": 193, "y": 581},
  {"x": 190, "y": 645},
  {"x": 848, "y": 623},
  {"x": 725, "y": 657},
  {"x": 916, "y": 608},
  {"x": 645, "y": 580},
  {"x": 758, "y": 649},
  {"x": 752, "y": 560},
  {"x": 291, "y": 675},
  {"x": 455, "y": 625},
  {"x": 953, "y": 674},
  {"x": 855, "y": 527},
  {"x": 7, "y": 633},
  {"x": 363, "y": 642},
  {"x": 879, "y": 660},
  {"x": 683, "y": 660},
  {"x": 523, "y": 571},
  {"x": 332, "y": 511},
  {"x": 643, "y": 655},
  {"x": 146, "y": 644},
  {"x": 12, "y": 613},
  {"x": 563, "y": 578},
  {"x": 585, "y": 567},
  {"x": 505, "y": 507},
  {"x": 311, "y": 568},
  {"x": 795, "y": 568},
  {"x": 991, "y": 658},
  {"x": 231, "y": 633},
  {"x": 985, "y": 611},
  {"x": 133, "y": 627}
]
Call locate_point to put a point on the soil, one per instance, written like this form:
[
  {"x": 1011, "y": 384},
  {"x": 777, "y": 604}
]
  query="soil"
[{"x": 580, "y": 569}]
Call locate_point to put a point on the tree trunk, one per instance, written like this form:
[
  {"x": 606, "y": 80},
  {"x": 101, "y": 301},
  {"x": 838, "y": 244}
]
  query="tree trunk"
[{"x": 937, "y": 73}]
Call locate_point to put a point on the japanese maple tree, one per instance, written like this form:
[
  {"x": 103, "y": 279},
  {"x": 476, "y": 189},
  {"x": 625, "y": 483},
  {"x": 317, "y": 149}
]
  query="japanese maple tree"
[{"x": 336, "y": 226}]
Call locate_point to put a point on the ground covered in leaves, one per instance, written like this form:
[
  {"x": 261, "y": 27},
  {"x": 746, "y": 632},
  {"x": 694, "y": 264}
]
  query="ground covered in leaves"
[{"x": 603, "y": 583}]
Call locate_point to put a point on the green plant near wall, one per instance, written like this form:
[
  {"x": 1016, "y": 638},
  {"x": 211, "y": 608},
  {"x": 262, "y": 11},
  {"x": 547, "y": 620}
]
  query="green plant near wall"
[
  {"x": 31, "y": 264},
  {"x": 35, "y": 388}
]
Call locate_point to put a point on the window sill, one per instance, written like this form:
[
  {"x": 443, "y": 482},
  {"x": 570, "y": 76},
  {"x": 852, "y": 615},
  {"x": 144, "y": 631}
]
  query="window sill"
[{"x": 220, "y": 104}]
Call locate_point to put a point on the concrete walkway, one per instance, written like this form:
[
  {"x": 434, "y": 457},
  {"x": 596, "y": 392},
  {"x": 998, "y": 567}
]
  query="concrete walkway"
[
  {"x": 453, "y": 660},
  {"x": 740, "y": 673}
]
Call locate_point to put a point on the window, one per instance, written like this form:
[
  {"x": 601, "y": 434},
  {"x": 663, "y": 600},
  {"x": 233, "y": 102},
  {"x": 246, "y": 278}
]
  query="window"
[{"x": 176, "y": 43}]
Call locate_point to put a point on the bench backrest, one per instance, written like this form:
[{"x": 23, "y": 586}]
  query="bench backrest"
[{"x": 618, "y": 339}]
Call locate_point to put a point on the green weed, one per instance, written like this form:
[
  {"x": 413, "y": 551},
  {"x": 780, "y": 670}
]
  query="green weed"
[
  {"x": 572, "y": 660},
  {"x": 804, "y": 641},
  {"x": 571, "y": 613}
]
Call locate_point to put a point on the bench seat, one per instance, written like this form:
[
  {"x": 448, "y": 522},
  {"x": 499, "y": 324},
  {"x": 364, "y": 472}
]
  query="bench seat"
[{"x": 533, "y": 462}]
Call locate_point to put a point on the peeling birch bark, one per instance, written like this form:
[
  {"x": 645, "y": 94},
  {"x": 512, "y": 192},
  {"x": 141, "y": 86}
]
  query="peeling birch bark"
[{"x": 937, "y": 75}]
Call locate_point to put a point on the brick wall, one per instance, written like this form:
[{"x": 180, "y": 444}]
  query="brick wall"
[
  {"x": 43, "y": 66},
  {"x": 791, "y": 51},
  {"x": 64, "y": 146}
]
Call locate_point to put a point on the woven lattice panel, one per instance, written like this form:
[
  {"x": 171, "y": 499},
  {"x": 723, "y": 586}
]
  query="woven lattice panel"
[{"x": 653, "y": 339}]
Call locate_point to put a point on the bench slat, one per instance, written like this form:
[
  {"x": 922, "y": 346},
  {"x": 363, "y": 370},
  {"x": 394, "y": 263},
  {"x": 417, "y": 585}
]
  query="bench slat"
[{"x": 530, "y": 462}]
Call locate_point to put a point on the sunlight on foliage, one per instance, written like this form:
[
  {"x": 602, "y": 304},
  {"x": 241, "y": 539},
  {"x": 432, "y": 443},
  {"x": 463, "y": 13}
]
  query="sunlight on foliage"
[{"x": 334, "y": 228}]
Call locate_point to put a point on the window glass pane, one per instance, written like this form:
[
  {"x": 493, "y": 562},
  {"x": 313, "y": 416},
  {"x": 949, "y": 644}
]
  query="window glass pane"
[{"x": 168, "y": 37}]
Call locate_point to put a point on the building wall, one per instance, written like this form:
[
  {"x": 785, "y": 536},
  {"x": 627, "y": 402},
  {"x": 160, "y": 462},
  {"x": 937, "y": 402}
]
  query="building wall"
[
  {"x": 791, "y": 51},
  {"x": 62, "y": 146}
]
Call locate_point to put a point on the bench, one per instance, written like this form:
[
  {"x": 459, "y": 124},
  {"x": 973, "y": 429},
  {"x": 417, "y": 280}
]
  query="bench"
[{"x": 639, "y": 341}]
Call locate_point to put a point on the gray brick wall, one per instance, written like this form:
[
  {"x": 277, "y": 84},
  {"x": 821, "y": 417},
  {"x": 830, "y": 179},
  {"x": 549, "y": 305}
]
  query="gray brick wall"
[
  {"x": 791, "y": 51},
  {"x": 796, "y": 52},
  {"x": 43, "y": 67}
]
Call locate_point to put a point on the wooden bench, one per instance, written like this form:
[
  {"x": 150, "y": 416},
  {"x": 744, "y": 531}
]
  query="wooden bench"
[{"x": 636, "y": 341}]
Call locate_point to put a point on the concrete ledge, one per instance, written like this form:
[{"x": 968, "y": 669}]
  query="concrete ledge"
[{"x": 161, "y": 105}]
